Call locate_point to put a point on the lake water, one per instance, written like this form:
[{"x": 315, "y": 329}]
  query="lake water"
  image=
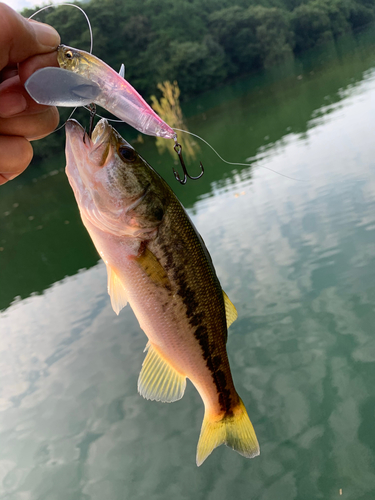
[{"x": 296, "y": 257}]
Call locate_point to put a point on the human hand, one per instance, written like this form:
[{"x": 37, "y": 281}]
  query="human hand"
[{"x": 21, "y": 118}]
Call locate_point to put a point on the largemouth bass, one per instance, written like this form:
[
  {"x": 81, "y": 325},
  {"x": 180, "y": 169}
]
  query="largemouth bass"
[{"x": 157, "y": 261}]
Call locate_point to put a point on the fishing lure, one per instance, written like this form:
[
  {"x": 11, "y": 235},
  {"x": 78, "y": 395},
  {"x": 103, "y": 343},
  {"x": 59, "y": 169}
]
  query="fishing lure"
[{"x": 117, "y": 95}]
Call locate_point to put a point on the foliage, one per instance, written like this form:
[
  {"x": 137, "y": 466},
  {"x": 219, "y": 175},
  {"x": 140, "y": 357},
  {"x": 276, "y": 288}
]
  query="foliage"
[
  {"x": 169, "y": 109},
  {"x": 201, "y": 43},
  {"x": 311, "y": 25}
]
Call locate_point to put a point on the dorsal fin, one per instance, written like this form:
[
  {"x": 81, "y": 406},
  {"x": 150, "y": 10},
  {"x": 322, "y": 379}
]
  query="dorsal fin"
[
  {"x": 116, "y": 291},
  {"x": 230, "y": 311},
  {"x": 122, "y": 71},
  {"x": 158, "y": 380}
]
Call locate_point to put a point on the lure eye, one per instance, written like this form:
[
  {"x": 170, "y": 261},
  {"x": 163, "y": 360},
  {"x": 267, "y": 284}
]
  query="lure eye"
[
  {"x": 127, "y": 154},
  {"x": 69, "y": 54}
]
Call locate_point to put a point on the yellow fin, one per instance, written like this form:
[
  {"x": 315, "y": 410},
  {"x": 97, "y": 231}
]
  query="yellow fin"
[
  {"x": 158, "y": 380},
  {"x": 116, "y": 291},
  {"x": 152, "y": 267},
  {"x": 236, "y": 431},
  {"x": 230, "y": 311}
]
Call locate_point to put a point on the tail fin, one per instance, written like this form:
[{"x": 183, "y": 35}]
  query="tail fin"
[{"x": 235, "y": 430}]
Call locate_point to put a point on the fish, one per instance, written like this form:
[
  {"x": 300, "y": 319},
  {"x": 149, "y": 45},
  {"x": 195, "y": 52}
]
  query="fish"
[
  {"x": 158, "y": 263},
  {"x": 116, "y": 94}
]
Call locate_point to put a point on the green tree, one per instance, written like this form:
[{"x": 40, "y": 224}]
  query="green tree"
[
  {"x": 360, "y": 15},
  {"x": 235, "y": 30},
  {"x": 273, "y": 33},
  {"x": 188, "y": 59},
  {"x": 311, "y": 25}
]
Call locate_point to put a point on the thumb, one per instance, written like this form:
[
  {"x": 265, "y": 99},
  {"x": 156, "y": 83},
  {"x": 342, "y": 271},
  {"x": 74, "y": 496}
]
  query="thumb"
[{"x": 20, "y": 38}]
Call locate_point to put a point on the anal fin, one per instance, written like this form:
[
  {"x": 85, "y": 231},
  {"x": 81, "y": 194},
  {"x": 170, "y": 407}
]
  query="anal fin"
[{"x": 158, "y": 380}]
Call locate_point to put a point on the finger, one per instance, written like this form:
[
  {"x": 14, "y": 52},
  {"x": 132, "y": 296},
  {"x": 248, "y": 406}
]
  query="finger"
[
  {"x": 28, "y": 67},
  {"x": 20, "y": 39},
  {"x": 16, "y": 154},
  {"x": 33, "y": 126},
  {"x": 8, "y": 72}
]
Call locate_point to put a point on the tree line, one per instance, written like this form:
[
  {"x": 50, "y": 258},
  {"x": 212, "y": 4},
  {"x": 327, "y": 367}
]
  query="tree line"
[{"x": 203, "y": 43}]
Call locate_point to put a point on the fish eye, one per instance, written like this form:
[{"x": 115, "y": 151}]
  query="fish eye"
[
  {"x": 69, "y": 54},
  {"x": 126, "y": 153}
]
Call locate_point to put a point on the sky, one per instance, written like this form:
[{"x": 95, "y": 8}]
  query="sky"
[{"x": 21, "y": 4}]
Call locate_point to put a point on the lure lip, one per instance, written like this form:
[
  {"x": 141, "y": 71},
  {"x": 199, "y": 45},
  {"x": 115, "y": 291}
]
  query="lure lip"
[{"x": 60, "y": 87}]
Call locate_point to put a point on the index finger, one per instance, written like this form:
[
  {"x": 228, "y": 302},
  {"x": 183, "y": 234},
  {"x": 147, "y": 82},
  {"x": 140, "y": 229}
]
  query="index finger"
[{"x": 20, "y": 38}]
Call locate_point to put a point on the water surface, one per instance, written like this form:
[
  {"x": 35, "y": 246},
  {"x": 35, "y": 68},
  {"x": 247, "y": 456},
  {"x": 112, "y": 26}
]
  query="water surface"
[{"x": 296, "y": 257}]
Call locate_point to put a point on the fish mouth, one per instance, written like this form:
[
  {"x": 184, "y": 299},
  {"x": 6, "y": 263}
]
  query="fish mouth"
[
  {"x": 100, "y": 132},
  {"x": 76, "y": 140},
  {"x": 73, "y": 127},
  {"x": 77, "y": 136},
  {"x": 88, "y": 155}
]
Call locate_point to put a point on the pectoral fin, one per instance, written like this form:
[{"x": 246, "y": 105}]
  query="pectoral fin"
[
  {"x": 230, "y": 311},
  {"x": 158, "y": 380},
  {"x": 152, "y": 267},
  {"x": 116, "y": 291}
]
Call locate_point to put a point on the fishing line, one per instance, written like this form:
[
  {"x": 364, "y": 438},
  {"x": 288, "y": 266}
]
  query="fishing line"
[
  {"x": 63, "y": 125},
  {"x": 69, "y": 5},
  {"x": 234, "y": 163},
  {"x": 213, "y": 149},
  {"x": 108, "y": 119}
]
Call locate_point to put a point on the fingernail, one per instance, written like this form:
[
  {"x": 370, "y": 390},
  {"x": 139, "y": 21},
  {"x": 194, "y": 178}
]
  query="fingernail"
[
  {"x": 11, "y": 176},
  {"x": 12, "y": 103},
  {"x": 5, "y": 177},
  {"x": 46, "y": 35}
]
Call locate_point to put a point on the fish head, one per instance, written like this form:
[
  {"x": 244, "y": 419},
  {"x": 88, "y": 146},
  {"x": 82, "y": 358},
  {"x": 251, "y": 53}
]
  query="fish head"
[
  {"x": 69, "y": 58},
  {"x": 115, "y": 188},
  {"x": 78, "y": 61}
]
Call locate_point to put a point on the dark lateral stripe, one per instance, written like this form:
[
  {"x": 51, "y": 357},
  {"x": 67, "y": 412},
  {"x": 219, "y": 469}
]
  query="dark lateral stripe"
[{"x": 177, "y": 256}]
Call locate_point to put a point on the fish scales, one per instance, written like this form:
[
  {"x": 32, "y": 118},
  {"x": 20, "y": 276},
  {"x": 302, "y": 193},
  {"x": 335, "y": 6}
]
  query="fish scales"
[
  {"x": 199, "y": 290},
  {"x": 157, "y": 261}
]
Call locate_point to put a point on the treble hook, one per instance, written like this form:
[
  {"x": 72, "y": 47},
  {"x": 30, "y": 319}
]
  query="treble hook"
[
  {"x": 92, "y": 109},
  {"x": 178, "y": 149}
]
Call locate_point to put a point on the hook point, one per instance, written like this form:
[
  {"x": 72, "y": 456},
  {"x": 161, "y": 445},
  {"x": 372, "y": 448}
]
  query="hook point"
[{"x": 178, "y": 149}]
